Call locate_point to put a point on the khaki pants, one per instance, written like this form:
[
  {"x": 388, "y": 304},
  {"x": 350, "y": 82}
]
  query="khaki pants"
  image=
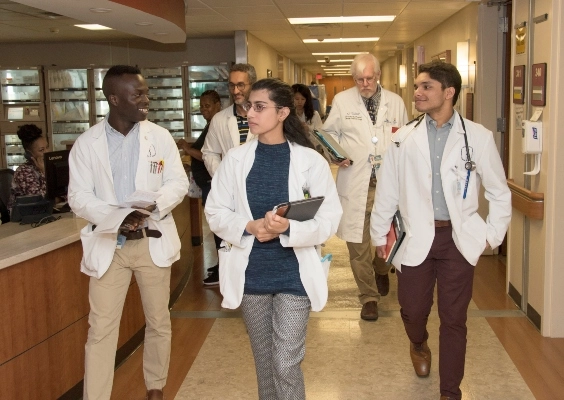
[
  {"x": 107, "y": 296},
  {"x": 363, "y": 264}
]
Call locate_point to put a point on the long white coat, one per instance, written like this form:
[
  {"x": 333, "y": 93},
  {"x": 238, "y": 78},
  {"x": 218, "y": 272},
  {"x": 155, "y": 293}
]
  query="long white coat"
[
  {"x": 91, "y": 193},
  {"x": 223, "y": 135},
  {"x": 227, "y": 211},
  {"x": 405, "y": 181},
  {"x": 349, "y": 122}
]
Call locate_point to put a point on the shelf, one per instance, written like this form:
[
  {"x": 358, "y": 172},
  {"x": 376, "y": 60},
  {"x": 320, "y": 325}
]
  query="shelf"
[
  {"x": 68, "y": 89},
  {"x": 8, "y": 102},
  {"x": 166, "y": 87},
  {"x": 167, "y": 120},
  {"x": 70, "y": 121},
  {"x": 207, "y": 80},
  {"x": 161, "y": 76},
  {"x": 165, "y": 98},
  {"x": 20, "y": 84},
  {"x": 166, "y": 109},
  {"x": 67, "y": 100}
]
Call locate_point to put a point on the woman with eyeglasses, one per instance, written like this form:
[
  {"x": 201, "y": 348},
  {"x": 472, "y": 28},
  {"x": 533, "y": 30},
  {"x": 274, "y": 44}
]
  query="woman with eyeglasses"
[
  {"x": 210, "y": 104},
  {"x": 270, "y": 266}
]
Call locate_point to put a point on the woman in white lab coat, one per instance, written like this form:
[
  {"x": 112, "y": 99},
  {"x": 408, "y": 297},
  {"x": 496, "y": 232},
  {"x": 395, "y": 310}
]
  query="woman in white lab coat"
[{"x": 269, "y": 265}]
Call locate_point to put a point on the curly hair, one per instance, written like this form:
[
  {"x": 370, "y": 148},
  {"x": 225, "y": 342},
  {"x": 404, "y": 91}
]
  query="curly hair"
[
  {"x": 308, "y": 106},
  {"x": 281, "y": 94},
  {"x": 28, "y": 134},
  {"x": 248, "y": 69},
  {"x": 212, "y": 94}
]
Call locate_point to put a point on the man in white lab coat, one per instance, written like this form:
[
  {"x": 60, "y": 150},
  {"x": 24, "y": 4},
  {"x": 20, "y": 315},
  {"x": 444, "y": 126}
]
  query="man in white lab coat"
[
  {"x": 362, "y": 119},
  {"x": 433, "y": 176},
  {"x": 119, "y": 155},
  {"x": 228, "y": 128}
]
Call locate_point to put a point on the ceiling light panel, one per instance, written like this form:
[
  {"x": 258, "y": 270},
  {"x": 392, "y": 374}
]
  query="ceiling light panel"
[
  {"x": 93, "y": 27},
  {"x": 339, "y": 53},
  {"x": 341, "y": 20},
  {"x": 342, "y": 40}
]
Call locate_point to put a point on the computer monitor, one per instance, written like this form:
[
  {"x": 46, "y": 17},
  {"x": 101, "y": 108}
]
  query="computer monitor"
[{"x": 56, "y": 174}]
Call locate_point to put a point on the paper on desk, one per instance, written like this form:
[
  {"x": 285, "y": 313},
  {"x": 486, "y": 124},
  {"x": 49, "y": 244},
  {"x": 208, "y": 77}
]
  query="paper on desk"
[
  {"x": 113, "y": 220},
  {"x": 141, "y": 199}
]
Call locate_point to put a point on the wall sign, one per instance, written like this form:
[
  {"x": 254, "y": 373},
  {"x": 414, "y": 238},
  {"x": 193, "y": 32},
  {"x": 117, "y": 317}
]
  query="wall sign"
[
  {"x": 538, "y": 93},
  {"x": 519, "y": 84}
]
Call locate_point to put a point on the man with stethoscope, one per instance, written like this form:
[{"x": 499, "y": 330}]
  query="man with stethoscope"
[
  {"x": 433, "y": 174},
  {"x": 362, "y": 119}
]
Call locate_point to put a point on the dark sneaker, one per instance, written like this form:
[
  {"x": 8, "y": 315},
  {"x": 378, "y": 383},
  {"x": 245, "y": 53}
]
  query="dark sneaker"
[
  {"x": 383, "y": 284},
  {"x": 213, "y": 269},
  {"x": 213, "y": 278}
]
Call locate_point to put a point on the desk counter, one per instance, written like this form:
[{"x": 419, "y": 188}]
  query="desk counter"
[{"x": 44, "y": 307}]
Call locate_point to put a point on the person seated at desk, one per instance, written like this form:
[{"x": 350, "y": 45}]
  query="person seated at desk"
[
  {"x": 210, "y": 104},
  {"x": 29, "y": 178}
]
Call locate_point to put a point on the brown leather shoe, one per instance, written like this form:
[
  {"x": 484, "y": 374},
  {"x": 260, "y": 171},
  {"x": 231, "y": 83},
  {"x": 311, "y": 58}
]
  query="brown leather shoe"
[
  {"x": 421, "y": 358},
  {"x": 154, "y": 394},
  {"x": 369, "y": 311},
  {"x": 383, "y": 284}
]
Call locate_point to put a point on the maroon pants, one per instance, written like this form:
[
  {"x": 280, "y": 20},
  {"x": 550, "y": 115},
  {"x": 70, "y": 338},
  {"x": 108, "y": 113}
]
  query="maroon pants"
[{"x": 454, "y": 276}]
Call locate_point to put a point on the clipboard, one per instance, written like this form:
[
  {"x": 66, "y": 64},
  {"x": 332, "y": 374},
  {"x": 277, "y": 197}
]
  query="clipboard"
[
  {"x": 299, "y": 210},
  {"x": 333, "y": 148},
  {"x": 395, "y": 237}
]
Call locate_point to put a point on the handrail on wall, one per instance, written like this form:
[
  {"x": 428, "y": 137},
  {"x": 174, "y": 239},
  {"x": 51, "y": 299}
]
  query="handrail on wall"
[{"x": 527, "y": 202}]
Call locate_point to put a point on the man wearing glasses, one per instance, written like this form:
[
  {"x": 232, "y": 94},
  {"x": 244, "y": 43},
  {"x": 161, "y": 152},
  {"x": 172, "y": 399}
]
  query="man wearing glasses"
[
  {"x": 229, "y": 128},
  {"x": 362, "y": 119}
]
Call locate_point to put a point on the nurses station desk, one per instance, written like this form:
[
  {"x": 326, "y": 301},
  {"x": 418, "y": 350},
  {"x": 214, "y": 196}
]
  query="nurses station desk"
[{"x": 44, "y": 307}]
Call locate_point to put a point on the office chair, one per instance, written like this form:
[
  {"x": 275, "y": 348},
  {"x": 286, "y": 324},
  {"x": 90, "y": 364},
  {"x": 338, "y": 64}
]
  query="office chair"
[{"x": 6, "y": 176}]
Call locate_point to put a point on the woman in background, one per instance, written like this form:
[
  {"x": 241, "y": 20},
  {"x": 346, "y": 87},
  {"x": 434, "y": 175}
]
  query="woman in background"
[
  {"x": 304, "y": 107},
  {"x": 29, "y": 178},
  {"x": 210, "y": 104},
  {"x": 269, "y": 265}
]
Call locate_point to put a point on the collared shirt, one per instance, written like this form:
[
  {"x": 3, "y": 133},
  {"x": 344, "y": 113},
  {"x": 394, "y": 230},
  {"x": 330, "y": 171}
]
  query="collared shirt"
[
  {"x": 124, "y": 158},
  {"x": 437, "y": 140},
  {"x": 242, "y": 124},
  {"x": 376, "y": 99}
]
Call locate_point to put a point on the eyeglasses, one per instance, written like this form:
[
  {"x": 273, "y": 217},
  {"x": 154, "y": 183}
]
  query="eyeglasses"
[
  {"x": 369, "y": 81},
  {"x": 241, "y": 86},
  {"x": 257, "y": 107}
]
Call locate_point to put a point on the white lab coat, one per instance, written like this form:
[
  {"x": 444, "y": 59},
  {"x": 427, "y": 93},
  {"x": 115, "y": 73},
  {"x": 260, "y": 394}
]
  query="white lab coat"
[
  {"x": 91, "y": 193},
  {"x": 227, "y": 211},
  {"x": 223, "y": 135},
  {"x": 350, "y": 124},
  {"x": 405, "y": 181}
]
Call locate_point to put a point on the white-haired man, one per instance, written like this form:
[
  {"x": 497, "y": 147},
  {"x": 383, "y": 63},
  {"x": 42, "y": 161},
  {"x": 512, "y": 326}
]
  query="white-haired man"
[{"x": 362, "y": 119}]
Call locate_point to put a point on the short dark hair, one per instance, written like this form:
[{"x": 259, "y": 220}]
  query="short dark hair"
[
  {"x": 28, "y": 134},
  {"x": 117, "y": 71},
  {"x": 211, "y": 94},
  {"x": 248, "y": 69},
  {"x": 282, "y": 95},
  {"x": 446, "y": 74}
]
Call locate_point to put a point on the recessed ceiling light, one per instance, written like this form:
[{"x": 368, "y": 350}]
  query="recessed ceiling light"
[
  {"x": 144, "y": 23},
  {"x": 341, "y": 20},
  {"x": 342, "y": 40},
  {"x": 160, "y": 33},
  {"x": 335, "y": 66},
  {"x": 337, "y": 69},
  {"x": 322, "y": 61},
  {"x": 93, "y": 27},
  {"x": 344, "y": 53},
  {"x": 100, "y": 10}
]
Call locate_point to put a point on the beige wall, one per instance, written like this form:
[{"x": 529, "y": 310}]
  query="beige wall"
[
  {"x": 543, "y": 238},
  {"x": 263, "y": 58}
]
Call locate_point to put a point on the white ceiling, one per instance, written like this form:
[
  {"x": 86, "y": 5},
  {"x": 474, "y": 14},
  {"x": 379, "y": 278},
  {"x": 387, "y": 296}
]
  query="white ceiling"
[{"x": 265, "y": 19}]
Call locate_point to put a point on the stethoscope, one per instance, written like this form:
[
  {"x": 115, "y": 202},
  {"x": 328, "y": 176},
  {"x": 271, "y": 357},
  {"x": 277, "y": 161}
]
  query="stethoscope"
[{"x": 469, "y": 165}]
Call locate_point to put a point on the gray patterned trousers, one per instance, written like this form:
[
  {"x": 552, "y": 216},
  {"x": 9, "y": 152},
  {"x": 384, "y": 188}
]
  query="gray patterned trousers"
[{"x": 277, "y": 326}]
